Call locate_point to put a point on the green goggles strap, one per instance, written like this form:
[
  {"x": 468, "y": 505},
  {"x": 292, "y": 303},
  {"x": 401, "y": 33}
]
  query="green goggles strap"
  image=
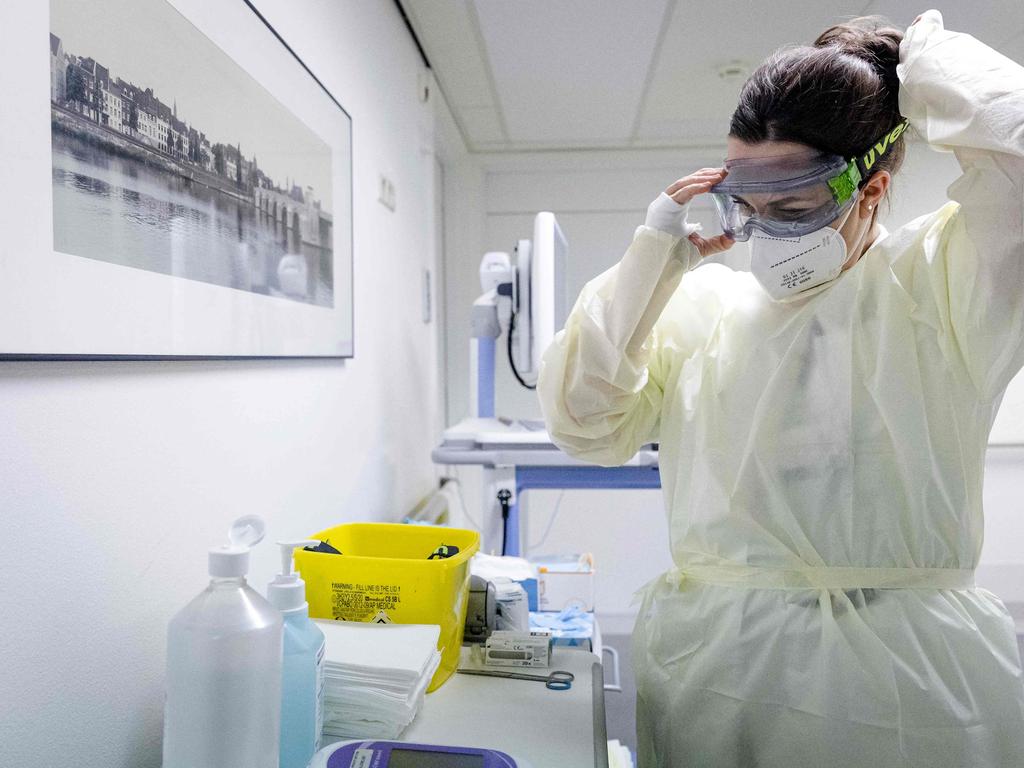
[{"x": 859, "y": 168}]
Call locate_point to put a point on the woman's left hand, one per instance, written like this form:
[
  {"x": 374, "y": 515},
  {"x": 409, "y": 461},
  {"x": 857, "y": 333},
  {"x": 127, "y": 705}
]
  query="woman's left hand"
[{"x": 708, "y": 246}]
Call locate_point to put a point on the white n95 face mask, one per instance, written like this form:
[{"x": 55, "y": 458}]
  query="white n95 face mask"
[{"x": 786, "y": 266}]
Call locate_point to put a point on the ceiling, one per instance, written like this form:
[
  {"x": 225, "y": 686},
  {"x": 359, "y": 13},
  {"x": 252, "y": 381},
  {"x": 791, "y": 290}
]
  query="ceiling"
[{"x": 528, "y": 75}]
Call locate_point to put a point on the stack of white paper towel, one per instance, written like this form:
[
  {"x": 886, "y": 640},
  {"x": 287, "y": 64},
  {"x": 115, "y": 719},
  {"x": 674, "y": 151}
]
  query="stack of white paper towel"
[{"x": 375, "y": 676}]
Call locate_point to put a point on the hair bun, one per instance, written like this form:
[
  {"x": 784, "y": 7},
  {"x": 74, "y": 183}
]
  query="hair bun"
[{"x": 871, "y": 38}]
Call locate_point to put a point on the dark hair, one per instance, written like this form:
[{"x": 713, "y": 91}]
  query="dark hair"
[{"x": 839, "y": 96}]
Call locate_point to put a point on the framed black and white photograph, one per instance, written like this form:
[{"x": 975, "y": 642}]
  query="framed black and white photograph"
[{"x": 198, "y": 189}]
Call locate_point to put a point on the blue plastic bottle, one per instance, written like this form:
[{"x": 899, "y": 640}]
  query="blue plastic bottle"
[{"x": 302, "y": 678}]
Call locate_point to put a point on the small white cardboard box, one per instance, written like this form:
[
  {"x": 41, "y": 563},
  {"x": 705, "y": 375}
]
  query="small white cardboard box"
[{"x": 565, "y": 581}]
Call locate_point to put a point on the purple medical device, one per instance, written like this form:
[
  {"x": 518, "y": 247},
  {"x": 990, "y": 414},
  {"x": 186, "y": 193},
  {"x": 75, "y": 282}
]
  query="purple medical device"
[{"x": 394, "y": 754}]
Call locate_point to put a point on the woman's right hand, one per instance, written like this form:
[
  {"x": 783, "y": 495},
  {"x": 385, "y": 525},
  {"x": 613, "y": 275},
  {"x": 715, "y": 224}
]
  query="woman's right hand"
[{"x": 668, "y": 212}]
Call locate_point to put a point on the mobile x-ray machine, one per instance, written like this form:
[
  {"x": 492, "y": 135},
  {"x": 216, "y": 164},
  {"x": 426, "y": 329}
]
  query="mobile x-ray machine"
[{"x": 527, "y": 301}]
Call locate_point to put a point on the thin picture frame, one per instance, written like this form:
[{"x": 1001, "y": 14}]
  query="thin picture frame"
[{"x": 56, "y": 304}]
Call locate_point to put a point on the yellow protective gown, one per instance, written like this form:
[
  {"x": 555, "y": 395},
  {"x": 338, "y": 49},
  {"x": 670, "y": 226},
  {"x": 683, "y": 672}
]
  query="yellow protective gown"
[{"x": 822, "y": 463}]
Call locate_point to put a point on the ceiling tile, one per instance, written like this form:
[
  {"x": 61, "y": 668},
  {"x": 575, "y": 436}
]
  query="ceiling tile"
[
  {"x": 686, "y": 89},
  {"x": 571, "y": 70},
  {"x": 994, "y": 22},
  {"x": 446, "y": 32}
]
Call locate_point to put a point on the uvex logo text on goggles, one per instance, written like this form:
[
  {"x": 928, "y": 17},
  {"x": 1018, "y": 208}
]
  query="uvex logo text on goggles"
[{"x": 869, "y": 158}]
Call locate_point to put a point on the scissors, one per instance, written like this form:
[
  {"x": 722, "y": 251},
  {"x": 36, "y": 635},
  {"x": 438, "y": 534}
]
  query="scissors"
[{"x": 556, "y": 681}]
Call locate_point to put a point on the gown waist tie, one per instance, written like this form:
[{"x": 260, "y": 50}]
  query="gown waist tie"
[{"x": 821, "y": 577}]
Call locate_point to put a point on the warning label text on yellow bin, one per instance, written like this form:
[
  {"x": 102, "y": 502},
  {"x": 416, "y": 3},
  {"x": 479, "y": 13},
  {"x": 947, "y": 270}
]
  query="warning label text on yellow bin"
[{"x": 361, "y": 602}]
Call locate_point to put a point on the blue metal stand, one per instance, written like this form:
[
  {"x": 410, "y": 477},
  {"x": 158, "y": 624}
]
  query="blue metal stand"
[{"x": 485, "y": 378}]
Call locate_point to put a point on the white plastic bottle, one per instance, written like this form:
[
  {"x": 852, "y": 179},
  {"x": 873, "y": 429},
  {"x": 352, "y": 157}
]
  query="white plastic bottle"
[
  {"x": 302, "y": 687},
  {"x": 223, "y": 707}
]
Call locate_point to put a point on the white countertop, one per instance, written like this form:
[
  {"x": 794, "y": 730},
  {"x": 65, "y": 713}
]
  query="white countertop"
[{"x": 551, "y": 729}]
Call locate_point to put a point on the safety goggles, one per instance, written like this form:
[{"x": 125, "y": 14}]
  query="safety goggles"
[{"x": 792, "y": 195}]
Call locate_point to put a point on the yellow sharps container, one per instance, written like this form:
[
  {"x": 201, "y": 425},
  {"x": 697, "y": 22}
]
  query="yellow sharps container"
[{"x": 383, "y": 574}]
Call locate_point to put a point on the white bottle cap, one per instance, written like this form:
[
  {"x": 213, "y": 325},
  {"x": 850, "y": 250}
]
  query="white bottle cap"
[
  {"x": 287, "y": 592},
  {"x": 232, "y": 559}
]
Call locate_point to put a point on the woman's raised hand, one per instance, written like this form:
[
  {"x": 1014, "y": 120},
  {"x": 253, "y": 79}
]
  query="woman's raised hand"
[
  {"x": 688, "y": 187},
  {"x": 668, "y": 212}
]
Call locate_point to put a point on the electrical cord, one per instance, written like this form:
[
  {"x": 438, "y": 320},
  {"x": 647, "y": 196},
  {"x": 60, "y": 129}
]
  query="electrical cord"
[
  {"x": 551, "y": 523},
  {"x": 504, "y": 497},
  {"x": 454, "y": 470},
  {"x": 511, "y": 362}
]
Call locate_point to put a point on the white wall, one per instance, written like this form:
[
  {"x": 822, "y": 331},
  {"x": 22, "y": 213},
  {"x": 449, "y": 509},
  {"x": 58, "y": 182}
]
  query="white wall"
[
  {"x": 599, "y": 198},
  {"x": 115, "y": 477}
]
